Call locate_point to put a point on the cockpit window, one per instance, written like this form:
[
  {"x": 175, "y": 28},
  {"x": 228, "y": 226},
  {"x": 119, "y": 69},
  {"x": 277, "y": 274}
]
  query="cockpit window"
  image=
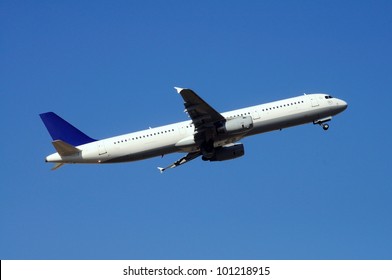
[{"x": 328, "y": 97}]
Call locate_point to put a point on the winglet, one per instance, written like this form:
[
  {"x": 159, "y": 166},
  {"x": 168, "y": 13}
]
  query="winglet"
[
  {"x": 161, "y": 169},
  {"x": 178, "y": 89}
]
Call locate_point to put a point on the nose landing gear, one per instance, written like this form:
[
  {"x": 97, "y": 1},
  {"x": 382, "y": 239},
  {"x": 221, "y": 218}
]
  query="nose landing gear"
[{"x": 322, "y": 122}]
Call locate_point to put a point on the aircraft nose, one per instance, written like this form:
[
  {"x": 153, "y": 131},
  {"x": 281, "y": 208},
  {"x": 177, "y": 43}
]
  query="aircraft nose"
[{"x": 343, "y": 104}]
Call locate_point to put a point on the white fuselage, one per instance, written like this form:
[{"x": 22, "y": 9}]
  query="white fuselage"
[{"x": 178, "y": 137}]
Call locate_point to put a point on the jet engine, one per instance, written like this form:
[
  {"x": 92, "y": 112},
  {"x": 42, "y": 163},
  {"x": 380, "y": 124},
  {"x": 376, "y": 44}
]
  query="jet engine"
[
  {"x": 236, "y": 125},
  {"x": 227, "y": 152}
]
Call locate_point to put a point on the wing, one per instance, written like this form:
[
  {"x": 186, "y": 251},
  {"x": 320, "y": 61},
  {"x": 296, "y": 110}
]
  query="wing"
[
  {"x": 204, "y": 118},
  {"x": 201, "y": 113},
  {"x": 181, "y": 161}
]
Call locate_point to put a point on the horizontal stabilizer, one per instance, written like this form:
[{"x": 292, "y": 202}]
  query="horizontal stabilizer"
[
  {"x": 64, "y": 149},
  {"x": 57, "y": 165}
]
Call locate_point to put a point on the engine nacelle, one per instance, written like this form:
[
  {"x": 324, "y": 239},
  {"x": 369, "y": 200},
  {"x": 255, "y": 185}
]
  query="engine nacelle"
[
  {"x": 228, "y": 152},
  {"x": 236, "y": 125}
]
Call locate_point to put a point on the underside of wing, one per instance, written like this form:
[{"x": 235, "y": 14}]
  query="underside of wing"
[
  {"x": 205, "y": 119},
  {"x": 201, "y": 113}
]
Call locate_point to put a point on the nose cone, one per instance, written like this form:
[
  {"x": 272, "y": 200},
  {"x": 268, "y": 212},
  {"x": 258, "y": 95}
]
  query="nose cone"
[{"x": 342, "y": 105}]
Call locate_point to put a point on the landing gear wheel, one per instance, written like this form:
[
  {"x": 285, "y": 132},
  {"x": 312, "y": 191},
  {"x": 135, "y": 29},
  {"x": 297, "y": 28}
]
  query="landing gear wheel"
[
  {"x": 207, "y": 150},
  {"x": 325, "y": 126}
]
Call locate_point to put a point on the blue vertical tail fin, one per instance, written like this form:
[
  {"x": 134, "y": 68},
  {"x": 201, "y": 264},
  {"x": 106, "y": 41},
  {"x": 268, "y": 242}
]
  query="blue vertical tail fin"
[{"x": 62, "y": 130}]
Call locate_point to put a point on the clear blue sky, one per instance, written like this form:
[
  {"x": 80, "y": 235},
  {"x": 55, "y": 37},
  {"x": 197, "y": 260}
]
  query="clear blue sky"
[{"x": 109, "y": 68}]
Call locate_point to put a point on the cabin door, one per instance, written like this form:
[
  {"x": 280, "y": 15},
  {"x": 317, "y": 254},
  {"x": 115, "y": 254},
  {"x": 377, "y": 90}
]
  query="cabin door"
[
  {"x": 313, "y": 100},
  {"x": 101, "y": 148}
]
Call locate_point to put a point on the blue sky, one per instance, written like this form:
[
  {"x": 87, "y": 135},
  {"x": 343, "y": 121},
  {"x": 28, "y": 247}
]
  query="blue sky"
[{"x": 109, "y": 67}]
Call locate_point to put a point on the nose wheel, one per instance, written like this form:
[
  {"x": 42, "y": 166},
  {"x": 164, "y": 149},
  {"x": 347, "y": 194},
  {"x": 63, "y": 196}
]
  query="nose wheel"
[{"x": 323, "y": 122}]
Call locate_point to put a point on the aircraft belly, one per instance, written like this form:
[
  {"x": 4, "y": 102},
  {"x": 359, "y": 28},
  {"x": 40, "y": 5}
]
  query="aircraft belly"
[
  {"x": 139, "y": 155},
  {"x": 296, "y": 118}
]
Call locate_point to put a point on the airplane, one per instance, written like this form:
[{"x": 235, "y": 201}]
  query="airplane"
[{"x": 212, "y": 135}]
